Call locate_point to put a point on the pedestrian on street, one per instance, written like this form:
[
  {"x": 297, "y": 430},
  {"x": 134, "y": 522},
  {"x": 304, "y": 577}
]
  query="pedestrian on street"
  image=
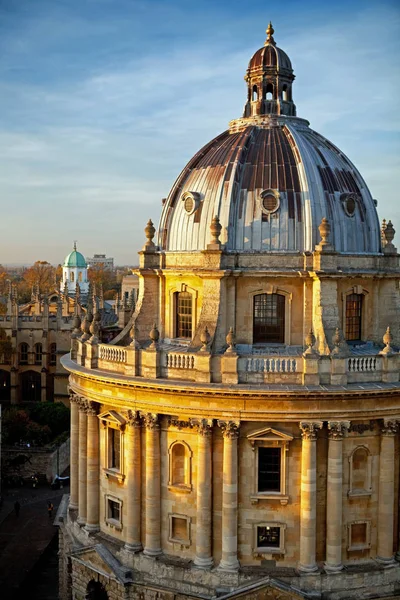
[
  {"x": 17, "y": 507},
  {"x": 50, "y": 508}
]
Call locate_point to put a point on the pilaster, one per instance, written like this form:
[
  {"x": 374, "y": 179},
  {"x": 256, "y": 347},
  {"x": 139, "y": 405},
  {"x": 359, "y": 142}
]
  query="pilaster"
[
  {"x": 204, "y": 496},
  {"x": 386, "y": 492},
  {"x": 133, "y": 481},
  {"x": 153, "y": 485}
]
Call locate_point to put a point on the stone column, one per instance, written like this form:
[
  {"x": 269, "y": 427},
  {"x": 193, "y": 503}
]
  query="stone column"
[
  {"x": 203, "y": 557},
  {"x": 93, "y": 467},
  {"x": 133, "y": 481},
  {"x": 229, "y": 560},
  {"x": 386, "y": 494},
  {"x": 308, "y": 493},
  {"x": 74, "y": 452},
  {"x": 334, "y": 498},
  {"x": 82, "y": 502},
  {"x": 153, "y": 486}
]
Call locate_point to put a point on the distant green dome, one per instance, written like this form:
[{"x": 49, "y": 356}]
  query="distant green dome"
[{"x": 75, "y": 259}]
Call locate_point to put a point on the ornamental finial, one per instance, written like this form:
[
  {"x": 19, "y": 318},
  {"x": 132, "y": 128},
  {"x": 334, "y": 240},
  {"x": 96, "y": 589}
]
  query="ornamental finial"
[
  {"x": 270, "y": 32},
  {"x": 75, "y": 245}
]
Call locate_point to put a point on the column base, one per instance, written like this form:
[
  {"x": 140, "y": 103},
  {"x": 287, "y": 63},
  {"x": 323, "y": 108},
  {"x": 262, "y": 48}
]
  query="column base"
[
  {"x": 333, "y": 569},
  {"x": 308, "y": 569},
  {"x": 92, "y": 527},
  {"x": 231, "y": 567},
  {"x": 203, "y": 563},
  {"x": 387, "y": 563},
  {"x": 133, "y": 548},
  {"x": 152, "y": 552},
  {"x": 81, "y": 521},
  {"x": 72, "y": 506}
]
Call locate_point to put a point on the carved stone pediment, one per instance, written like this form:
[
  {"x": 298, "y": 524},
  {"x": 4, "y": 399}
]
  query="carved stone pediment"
[
  {"x": 269, "y": 589},
  {"x": 98, "y": 559},
  {"x": 111, "y": 417},
  {"x": 268, "y": 434}
]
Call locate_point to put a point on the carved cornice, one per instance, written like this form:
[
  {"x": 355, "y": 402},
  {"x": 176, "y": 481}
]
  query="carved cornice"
[
  {"x": 309, "y": 429},
  {"x": 150, "y": 420},
  {"x": 389, "y": 427},
  {"x": 173, "y": 422},
  {"x": 362, "y": 427},
  {"x": 230, "y": 429},
  {"x": 336, "y": 429}
]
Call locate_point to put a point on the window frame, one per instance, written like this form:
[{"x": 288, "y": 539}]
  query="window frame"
[
  {"x": 179, "y": 315},
  {"x": 359, "y": 290},
  {"x": 270, "y": 438},
  {"x": 23, "y": 361},
  {"x": 38, "y": 361},
  {"x": 288, "y": 296},
  {"x": 187, "y": 485},
  {"x": 183, "y": 543},
  {"x": 53, "y": 354},
  {"x": 357, "y": 547},
  {"x": 110, "y": 521},
  {"x": 171, "y": 323},
  {"x": 259, "y": 551},
  {"x": 354, "y": 492},
  {"x": 113, "y": 420}
]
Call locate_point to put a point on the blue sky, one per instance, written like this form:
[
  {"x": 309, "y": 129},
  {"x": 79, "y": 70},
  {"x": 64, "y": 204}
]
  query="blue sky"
[{"x": 102, "y": 103}]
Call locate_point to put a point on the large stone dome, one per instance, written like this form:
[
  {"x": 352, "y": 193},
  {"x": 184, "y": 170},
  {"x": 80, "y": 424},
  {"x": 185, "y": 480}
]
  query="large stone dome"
[{"x": 270, "y": 179}]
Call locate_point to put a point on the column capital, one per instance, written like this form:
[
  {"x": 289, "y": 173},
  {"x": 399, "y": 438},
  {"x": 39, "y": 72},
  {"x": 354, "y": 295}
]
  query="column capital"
[
  {"x": 133, "y": 418},
  {"x": 389, "y": 427},
  {"x": 179, "y": 423},
  {"x": 203, "y": 426},
  {"x": 309, "y": 429},
  {"x": 73, "y": 397},
  {"x": 82, "y": 403},
  {"x": 336, "y": 429},
  {"x": 230, "y": 429},
  {"x": 92, "y": 408},
  {"x": 150, "y": 420}
]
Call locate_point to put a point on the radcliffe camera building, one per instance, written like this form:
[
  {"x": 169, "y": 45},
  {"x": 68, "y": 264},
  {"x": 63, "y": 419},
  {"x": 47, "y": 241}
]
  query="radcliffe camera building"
[{"x": 239, "y": 437}]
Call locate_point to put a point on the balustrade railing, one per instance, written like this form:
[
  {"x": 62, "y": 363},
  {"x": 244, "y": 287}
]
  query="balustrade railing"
[
  {"x": 362, "y": 364},
  {"x": 113, "y": 353},
  {"x": 179, "y": 361},
  {"x": 271, "y": 365}
]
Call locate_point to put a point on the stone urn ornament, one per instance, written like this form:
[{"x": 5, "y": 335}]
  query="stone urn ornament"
[
  {"x": 205, "y": 339},
  {"x": 387, "y": 340},
  {"x": 324, "y": 231},
  {"x": 215, "y": 229},
  {"x": 309, "y": 342},
  {"x": 154, "y": 336},
  {"x": 336, "y": 339},
  {"x": 149, "y": 231}
]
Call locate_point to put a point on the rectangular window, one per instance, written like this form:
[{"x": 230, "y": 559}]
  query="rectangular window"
[
  {"x": 269, "y": 469},
  {"x": 114, "y": 447},
  {"x": 268, "y": 537},
  {"x": 184, "y": 315},
  {"x": 179, "y": 529},
  {"x": 269, "y": 319},
  {"x": 114, "y": 510},
  {"x": 353, "y": 317}
]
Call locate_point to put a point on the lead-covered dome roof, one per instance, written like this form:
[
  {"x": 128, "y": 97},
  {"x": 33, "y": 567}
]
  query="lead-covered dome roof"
[
  {"x": 75, "y": 259},
  {"x": 270, "y": 179}
]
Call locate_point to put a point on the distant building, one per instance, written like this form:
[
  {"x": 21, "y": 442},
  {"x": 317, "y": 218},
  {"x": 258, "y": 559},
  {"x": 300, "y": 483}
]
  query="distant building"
[
  {"x": 74, "y": 272},
  {"x": 100, "y": 259}
]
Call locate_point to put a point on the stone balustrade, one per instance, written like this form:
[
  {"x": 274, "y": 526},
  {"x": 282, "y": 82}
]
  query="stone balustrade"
[{"x": 237, "y": 367}]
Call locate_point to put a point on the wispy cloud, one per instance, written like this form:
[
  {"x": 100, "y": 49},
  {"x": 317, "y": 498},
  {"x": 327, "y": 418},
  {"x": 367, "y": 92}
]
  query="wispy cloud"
[{"x": 100, "y": 110}]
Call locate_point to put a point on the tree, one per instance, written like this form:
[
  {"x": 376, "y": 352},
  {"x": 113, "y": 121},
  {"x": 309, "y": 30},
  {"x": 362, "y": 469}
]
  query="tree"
[
  {"x": 41, "y": 273},
  {"x": 100, "y": 275}
]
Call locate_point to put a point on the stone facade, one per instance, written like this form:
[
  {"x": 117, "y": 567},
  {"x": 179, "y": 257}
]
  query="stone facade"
[{"x": 239, "y": 438}]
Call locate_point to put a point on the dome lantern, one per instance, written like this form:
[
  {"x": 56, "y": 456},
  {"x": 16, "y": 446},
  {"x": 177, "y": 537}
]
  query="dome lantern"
[
  {"x": 269, "y": 79},
  {"x": 74, "y": 272}
]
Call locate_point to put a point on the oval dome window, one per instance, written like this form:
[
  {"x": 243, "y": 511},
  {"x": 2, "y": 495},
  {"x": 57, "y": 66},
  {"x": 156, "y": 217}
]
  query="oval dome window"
[
  {"x": 269, "y": 201},
  {"x": 190, "y": 201}
]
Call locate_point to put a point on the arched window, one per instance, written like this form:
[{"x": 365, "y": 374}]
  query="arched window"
[
  {"x": 180, "y": 465},
  {"x": 72, "y": 276},
  {"x": 23, "y": 354},
  {"x": 353, "y": 317},
  {"x": 80, "y": 276},
  {"x": 53, "y": 354},
  {"x": 269, "y": 319},
  {"x": 360, "y": 472},
  {"x": 183, "y": 315},
  {"x": 38, "y": 354},
  {"x": 285, "y": 96},
  {"x": 269, "y": 92},
  {"x": 255, "y": 93},
  {"x": 95, "y": 591}
]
